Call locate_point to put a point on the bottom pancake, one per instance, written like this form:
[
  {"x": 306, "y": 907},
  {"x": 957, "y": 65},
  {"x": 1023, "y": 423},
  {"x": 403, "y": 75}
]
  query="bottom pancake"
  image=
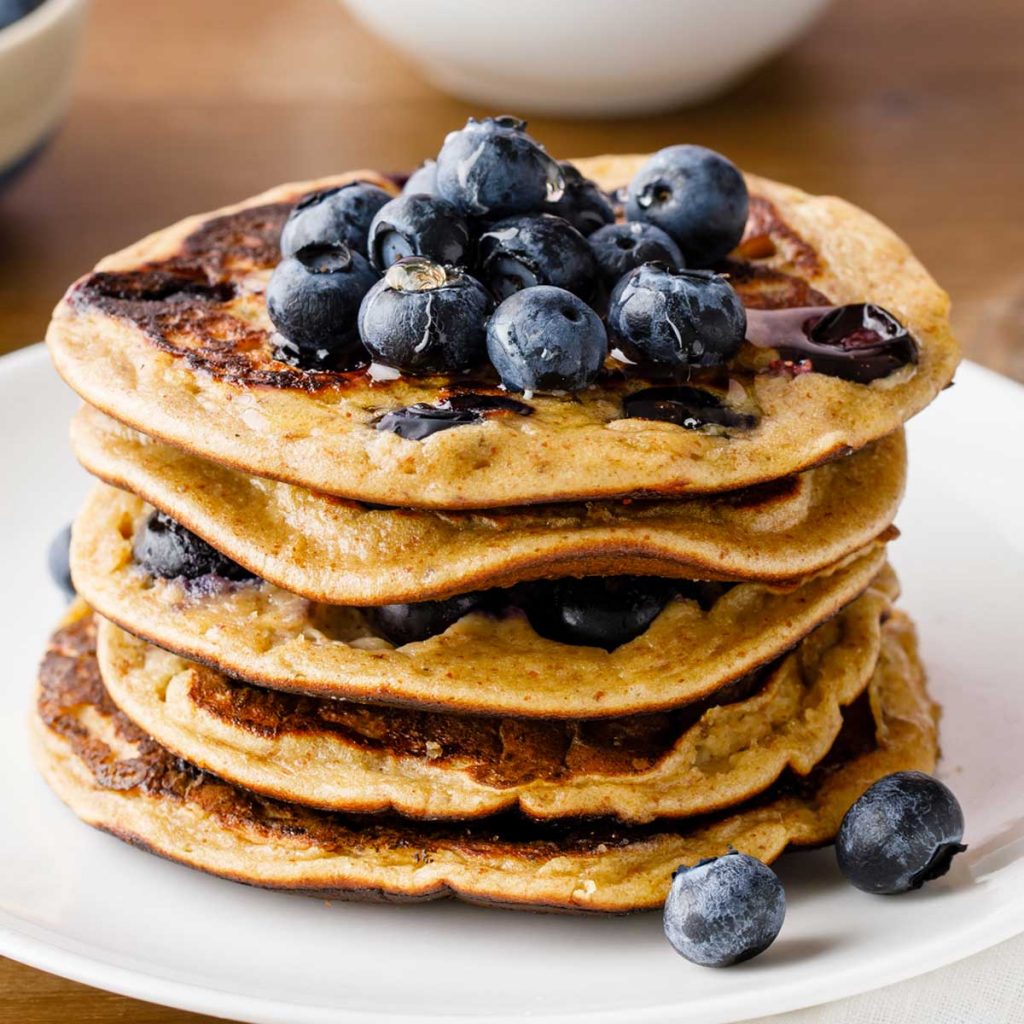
[{"x": 118, "y": 779}]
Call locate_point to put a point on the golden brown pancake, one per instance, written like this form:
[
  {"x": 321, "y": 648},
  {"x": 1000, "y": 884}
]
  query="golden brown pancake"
[
  {"x": 171, "y": 337},
  {"x": 483, "y": 663},
  {"x": 364, "y": 758},
  {"x": 116, "y": 778},
  {"x": 342, "y": 552}
]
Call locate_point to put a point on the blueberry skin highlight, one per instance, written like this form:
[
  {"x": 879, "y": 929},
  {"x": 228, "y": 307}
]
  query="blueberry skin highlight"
[
  {"x": 620, "y": 248},
  {"x": 423, "y": 179},
  {"x": 546, "y": 339},
  {"x": 492, "y": 168},
  {"x": 583, "y": 204},
  {"x": 595, "y": 611},
  {"x": 340, "y": 214},
  {"x": 695, "y": 195},
  {"x": 409, "y": 623},
  {"x": 58, "y": 561},
  {"x": 904, "y": 831},
  {"x": 521, "y": 252},
  {"x": 313, "y": 300},
  {"x": 166, "y": 549},
  {"x": 724, "y": 911},
  {"x": 672, "y": 318},
  {"x": 437, "y": 324},
  {"x": 418, "y": 225}
]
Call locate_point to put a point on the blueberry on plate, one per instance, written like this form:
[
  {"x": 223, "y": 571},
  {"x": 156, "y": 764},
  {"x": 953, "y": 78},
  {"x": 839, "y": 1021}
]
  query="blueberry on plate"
[
  {"x": 724, "y": 910},
  {"x": 313, "y": 300},
  {"x": 696, "y": 196},
  {"x": 165, "y": 548},
  {"x": 425, "y": 318},
  {"x": 546, "y": 339},
  {"x": 595, "y": 611},
  {"x": 58, "y": 560},
  {"x": 492, "y": 168},
  {"x": 904, "y": 831},
  {"x": 583, "y": 203},
  {"x": 669, "y": 318},
  {"x": 423, "y": 179},
  {"x": 340, "y": 214},
  {"x": 520, "y": 252},
  {"x": 620, "y": 248},
  {"x": 410, "y": 623},
  {"x": 418, "y": 225}
]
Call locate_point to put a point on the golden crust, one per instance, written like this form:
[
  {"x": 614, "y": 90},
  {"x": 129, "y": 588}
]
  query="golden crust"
[
  {"x": 340, "y": 552},
  {"x": 350, "y": 757},
  {"x": 481, "y": 664},
  {"x": 116, "y": 779},
  {"x": 568, "y": 449}
]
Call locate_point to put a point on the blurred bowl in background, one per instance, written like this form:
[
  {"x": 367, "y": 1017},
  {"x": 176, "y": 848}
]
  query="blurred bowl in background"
[
  {"x": 586, "y": 58},
  {"x": 37, "y": 60}
]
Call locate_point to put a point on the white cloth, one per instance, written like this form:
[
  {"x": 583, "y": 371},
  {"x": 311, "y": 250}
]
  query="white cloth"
[{"x": 984, "y": 989}]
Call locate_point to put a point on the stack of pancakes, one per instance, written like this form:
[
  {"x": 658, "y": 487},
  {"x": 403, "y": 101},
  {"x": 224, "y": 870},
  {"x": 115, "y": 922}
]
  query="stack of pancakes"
[{"x": 256, "y": 722}]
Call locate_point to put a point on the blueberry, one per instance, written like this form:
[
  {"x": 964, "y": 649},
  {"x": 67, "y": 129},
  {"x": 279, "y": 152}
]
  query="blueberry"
[
  {"x": 671, "y": 318},
  {"x": 14, "y": 10},
  {"x": 409, "y": 623},
  {"x": 58, "y": 560},
  {"x": 423, "y": 179},
  {"x": 904, "y": 831},
  {"x": 335, "y": 215},
  {"x": 696, "y": 196},
  {"x": 493, "y": 168},
  {"x": 313, "y": 300},
  {"x": 418, "y": 225},
  {"x": 724, "y": 910},
  {"x": 425, "y": 318},
  {"x": 620, "y": 248},
  {"x": 165, "y": 548},
  {"x": 583, "y": 204},
  {"x": 520, "y": 252},
  {"x": 546, "y": 339},
  {"x": 595, "y": 611}
]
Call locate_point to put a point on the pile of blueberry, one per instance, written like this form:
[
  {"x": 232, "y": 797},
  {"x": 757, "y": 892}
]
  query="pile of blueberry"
[
  {"x": 904, "y": 831},
  {"x": 496, "y": 252}
]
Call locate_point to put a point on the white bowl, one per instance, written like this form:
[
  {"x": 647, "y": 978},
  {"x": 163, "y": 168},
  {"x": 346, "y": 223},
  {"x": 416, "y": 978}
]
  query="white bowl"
[
  {"x": 37, "y": 61},
  {"x": 586, "y": 58}
]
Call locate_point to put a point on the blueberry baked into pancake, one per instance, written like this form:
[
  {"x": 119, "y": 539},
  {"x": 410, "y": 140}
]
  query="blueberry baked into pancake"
[{"x": 514, "y": 531}]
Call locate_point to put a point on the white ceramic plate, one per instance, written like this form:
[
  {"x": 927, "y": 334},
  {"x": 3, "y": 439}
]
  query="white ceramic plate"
[{"x": 81, "y": 904}]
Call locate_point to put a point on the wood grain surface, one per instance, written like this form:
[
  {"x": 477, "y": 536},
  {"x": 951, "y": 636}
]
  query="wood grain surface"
[{"x": 910, "y": 108}]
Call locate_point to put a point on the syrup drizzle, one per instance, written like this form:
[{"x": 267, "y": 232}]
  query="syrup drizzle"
[
  {"x": 860, "y": 342},
  {"x": 419, "y": 421}
]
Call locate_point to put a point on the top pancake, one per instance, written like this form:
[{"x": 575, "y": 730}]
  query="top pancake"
[{"x": 171, "y": 337}]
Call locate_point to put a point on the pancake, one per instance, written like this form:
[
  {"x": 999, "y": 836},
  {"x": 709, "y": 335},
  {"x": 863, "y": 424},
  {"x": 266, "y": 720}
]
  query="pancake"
[
  {"x": 116, "y": 778},
  {"x": 490, "y": 664},
  {"x": 358, "y": 757},
  {"x": 341, "y": 552},
  {"x": 171, "y": 337}
]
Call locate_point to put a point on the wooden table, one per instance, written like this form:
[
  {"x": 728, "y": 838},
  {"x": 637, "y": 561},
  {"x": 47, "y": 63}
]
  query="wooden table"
[{"x": 911, "y": 108}]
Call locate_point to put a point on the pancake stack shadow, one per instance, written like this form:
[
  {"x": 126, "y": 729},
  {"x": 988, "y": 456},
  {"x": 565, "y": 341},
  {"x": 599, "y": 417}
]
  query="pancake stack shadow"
[{"x": 547, "y": 706}]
